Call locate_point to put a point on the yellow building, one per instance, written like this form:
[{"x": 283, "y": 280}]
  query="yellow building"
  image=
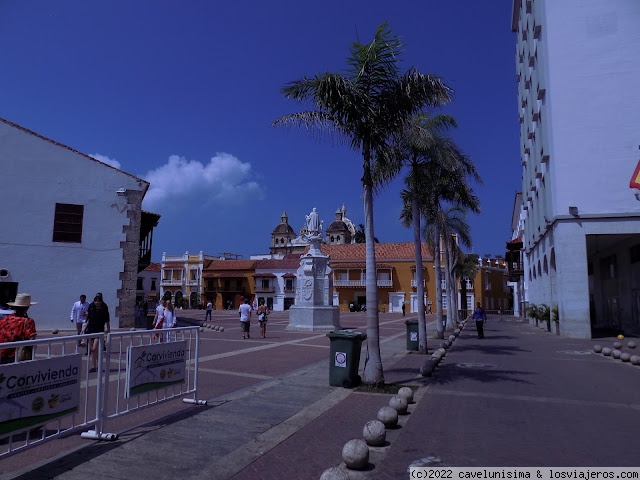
[{"x": 181, "y": 280}]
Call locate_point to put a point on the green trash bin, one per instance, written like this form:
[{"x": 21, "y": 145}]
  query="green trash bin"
[
  {"x": 412, "y": 335},
  {"x": 344, "y": 359}
]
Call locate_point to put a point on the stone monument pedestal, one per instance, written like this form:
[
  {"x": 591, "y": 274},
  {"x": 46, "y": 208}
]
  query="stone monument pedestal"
[
  {"x": 313, "y": 310},
  {"x": 315, "y": 318}
]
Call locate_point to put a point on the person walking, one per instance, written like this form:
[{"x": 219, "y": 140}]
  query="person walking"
[
  {"x": 208, "y": 315},
  {"x": 97, "y": 320},
  {"x": 480, "y": 317},
  {"x": 79, "y": 312},
  {"x": 245, "y": 318},
  {"x": 170, "y": 320},
  {"x": 263, "y": 312},
  {"x": 16, "y": 327},
  {"x": 158, "y": 319},
  {"x": 404, "y": 309}
]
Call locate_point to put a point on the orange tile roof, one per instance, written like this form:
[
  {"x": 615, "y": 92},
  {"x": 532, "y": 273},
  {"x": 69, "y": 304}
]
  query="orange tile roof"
[
  {"x": 153, "y": 267},
  {"x": 217, "y": 265},
  {"x": 278, "y": 264},
  {"x": 384, "y": 251}
]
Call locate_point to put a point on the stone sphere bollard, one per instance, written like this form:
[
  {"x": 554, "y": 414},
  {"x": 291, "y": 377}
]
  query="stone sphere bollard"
[
  {"x": 617, "y": 345},
  {"x": 606, "y": 351},
  {"x": 625, "y": 357},
  {"x": 407, "y": 393},
  {"x": 201, "y": 329},
  {"x": 221, "y": 329},
  {"x": 355, "y": 454},
  {"x": 451, "y": 338},
  {"x": 635, "y": 359},
  {"x": 427, "y": 369},
  {"x": 399, "y": 403},
  {"x": 597, "y": 348},
  {"x": 374, "y": 433},
  {"x": 388, "y": 416},
  {"x": 456, "y": 332},
  {"x": 55, "y": 331},
  {"x": 445, "y": 344},
  {"x": 616, "y": 354},
  {"x": 631, "y": 345},
  {"x": 217, "y": 328},
  {"x": 334, "y": 473}
]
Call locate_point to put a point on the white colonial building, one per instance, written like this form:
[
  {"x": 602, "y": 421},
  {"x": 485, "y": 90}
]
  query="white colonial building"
[
  {"x": 71, "y": 225},
  {"x": 578, "y": 102}
]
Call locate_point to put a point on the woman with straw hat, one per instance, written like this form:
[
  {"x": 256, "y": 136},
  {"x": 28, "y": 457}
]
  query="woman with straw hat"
[{"x": 16, "y": 327}]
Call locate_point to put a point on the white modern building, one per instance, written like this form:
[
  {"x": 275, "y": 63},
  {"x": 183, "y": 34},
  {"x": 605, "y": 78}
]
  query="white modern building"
[
  {"x": 578, "y": 80},
  {"x": 71, "y": 225}
]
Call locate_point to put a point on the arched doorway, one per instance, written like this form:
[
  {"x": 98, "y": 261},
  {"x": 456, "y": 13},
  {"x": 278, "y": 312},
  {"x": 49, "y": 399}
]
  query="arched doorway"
[
  {"x": 179, "y": 302},
  {"x": 193, "y": 300}
]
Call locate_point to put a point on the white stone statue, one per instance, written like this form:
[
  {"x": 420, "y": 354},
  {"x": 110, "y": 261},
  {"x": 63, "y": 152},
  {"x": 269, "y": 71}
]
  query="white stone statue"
[{"x": 314, "y": 226}]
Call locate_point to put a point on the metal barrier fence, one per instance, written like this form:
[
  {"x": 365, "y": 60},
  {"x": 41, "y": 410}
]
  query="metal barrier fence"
[{"x": 59, "y": 393}]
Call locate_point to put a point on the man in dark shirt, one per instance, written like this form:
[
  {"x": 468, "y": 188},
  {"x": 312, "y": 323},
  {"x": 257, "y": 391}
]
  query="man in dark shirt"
[{"x": 480, "y": 317}]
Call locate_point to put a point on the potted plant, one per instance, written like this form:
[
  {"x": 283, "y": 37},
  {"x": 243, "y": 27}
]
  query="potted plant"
[
  {"x": 544, "y": 314},
  {"x": 556, "y": 318},
  {"x": 532, "y": 312}
]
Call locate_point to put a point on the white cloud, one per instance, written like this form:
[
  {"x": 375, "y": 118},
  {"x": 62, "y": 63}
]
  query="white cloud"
[
  {"x": 225, "y": 179},
  {"x": 105, "y": 159}
]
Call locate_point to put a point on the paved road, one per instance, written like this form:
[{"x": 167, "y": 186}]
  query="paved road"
[{"x": 520, "y": 397}]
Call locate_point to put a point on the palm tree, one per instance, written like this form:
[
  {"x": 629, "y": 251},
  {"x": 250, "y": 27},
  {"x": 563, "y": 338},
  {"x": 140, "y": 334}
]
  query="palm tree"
[
  {"x": 447, "y": 185},
  {"x": 421, "y": 137},
  {"x": 455, "y": 231},
  {"x": 367, "y": 107}
]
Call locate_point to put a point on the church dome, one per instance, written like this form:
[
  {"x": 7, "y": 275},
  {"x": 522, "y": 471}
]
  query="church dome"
[{"x": 284, "y": 228}]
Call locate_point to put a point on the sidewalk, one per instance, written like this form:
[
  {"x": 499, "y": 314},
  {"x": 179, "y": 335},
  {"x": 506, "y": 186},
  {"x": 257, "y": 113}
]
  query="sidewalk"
[{"x": 520, "y": 397}]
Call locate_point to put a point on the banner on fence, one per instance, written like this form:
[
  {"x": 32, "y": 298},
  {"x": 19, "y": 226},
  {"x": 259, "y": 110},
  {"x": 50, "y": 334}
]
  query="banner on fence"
[
  {"x": 35, "y": 392},
  {"x": 150, "y": 367}
]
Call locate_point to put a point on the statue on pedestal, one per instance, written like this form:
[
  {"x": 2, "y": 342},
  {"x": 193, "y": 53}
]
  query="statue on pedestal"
[
  {"x": 313, "y": 309},
  {"x": 314, "y": 224}
]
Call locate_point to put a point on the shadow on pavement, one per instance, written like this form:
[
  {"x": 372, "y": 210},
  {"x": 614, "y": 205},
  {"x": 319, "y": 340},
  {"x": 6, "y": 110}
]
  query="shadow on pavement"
[
  {"x": 485, "y": 373},
  {"x": 489, "y": 349}
]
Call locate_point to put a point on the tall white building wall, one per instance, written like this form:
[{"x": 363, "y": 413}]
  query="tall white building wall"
[
  {"x": 578, "y": 100},
  {"x": 36, "y": 174}
]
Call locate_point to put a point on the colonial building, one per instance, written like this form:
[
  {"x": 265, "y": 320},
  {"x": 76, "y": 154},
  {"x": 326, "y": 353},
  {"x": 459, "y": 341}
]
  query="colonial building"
[
  {"x": 228, "y": 282},
  {"x": 578, "y": 100},
  {"x": 148, "y": 285},
  {"x": 182, "y": 279},
  {"x": 71, "y": 225}
]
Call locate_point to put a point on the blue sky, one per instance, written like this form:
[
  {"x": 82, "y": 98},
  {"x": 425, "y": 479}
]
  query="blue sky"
[{"x": 183, "y": 94}]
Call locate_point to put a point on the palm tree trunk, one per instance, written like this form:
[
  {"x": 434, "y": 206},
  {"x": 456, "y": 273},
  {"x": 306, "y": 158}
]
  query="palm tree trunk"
[
  {"x": 373, "y": 373},
  {"x": 451, "y": 286},
  {"x": 417, "y": 244},
  {"x": 438, "y": 265}
]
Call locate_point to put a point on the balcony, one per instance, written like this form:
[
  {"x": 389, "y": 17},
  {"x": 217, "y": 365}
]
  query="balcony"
[
  {"x": 171, "y": 283},
  {"x": 361, "y": 283},
  {"x": 265, "y": 289},
  {"x": 415, "y": 284}
]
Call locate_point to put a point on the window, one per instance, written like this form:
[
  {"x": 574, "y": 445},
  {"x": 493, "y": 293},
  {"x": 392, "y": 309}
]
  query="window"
[
  {"x": 210, "y": 285},
  {"x": 67, "y": 223},
  {"x": 153, "y": 284},
  {"x": 289, "y": 284},
  {"x": 139, "y": 284},
  {"x": 265, "y": 283}
]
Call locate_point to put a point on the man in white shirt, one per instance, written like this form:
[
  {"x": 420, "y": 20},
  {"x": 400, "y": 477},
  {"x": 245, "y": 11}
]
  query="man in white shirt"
[
  {"x": 158, "y": 320},
  {"x": 79, "y": 313},
  {"x": 209, "y": 311},
  {"x": 245, "y": 318}
]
